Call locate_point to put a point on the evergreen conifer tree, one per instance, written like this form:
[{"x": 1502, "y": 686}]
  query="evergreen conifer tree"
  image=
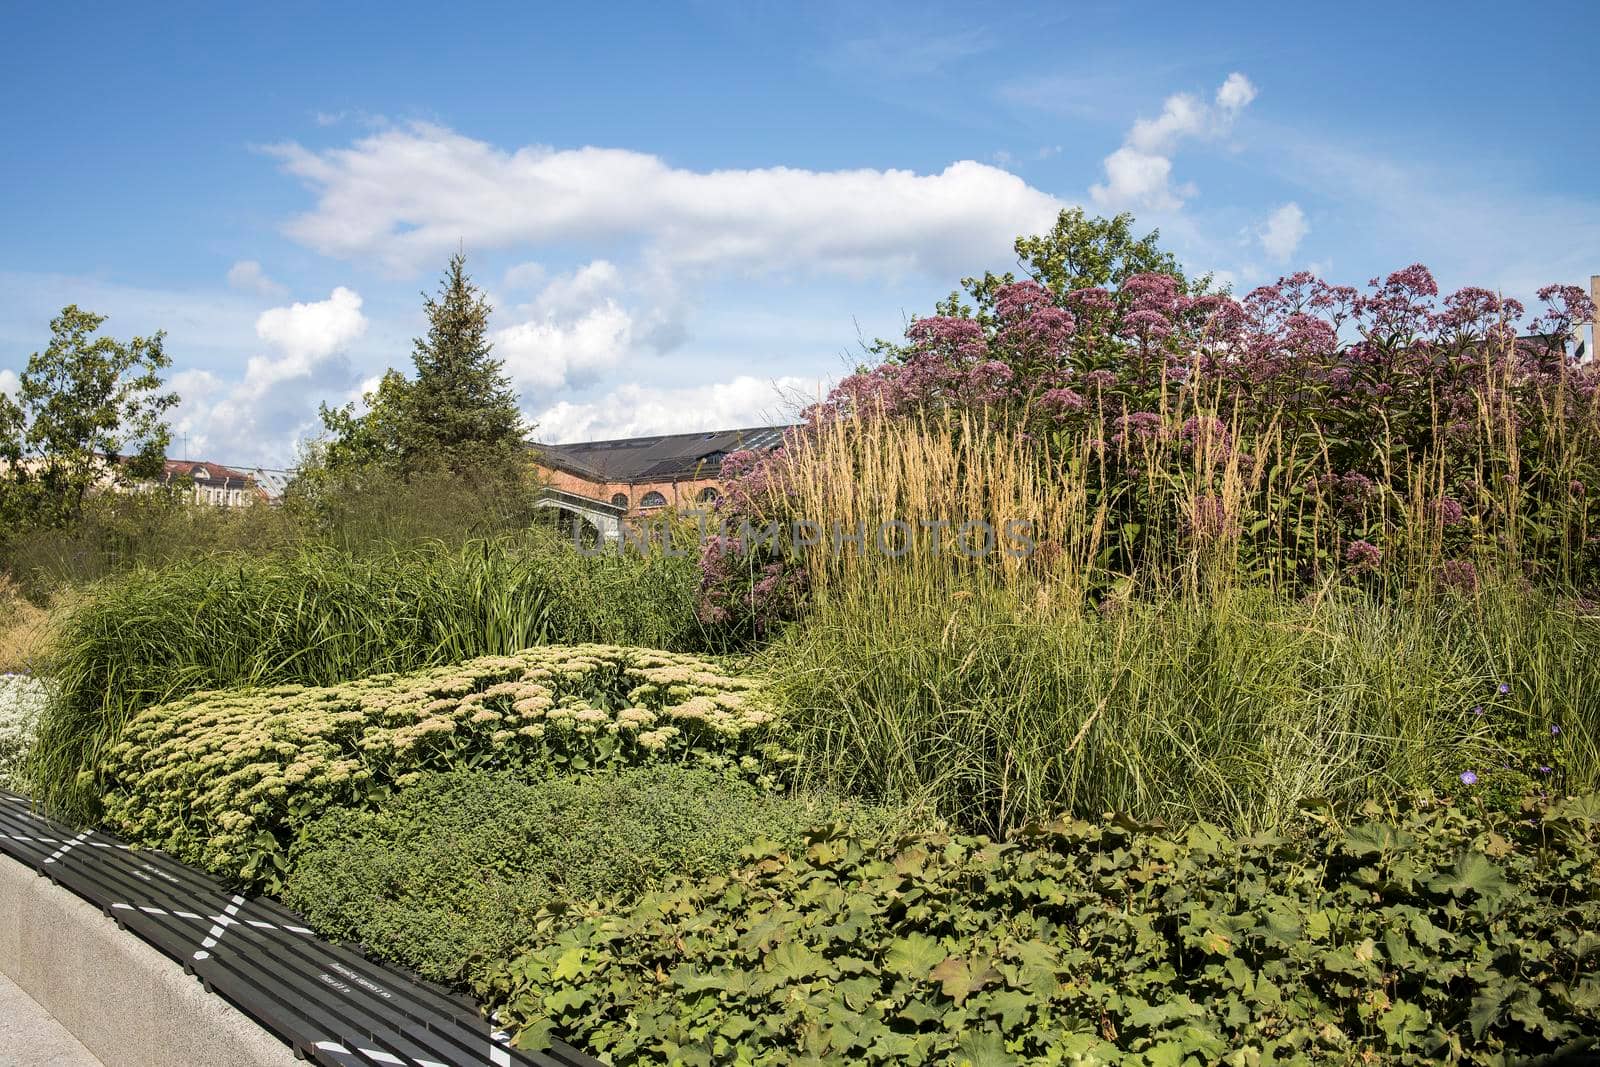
[{"x": 463, "y": 409}]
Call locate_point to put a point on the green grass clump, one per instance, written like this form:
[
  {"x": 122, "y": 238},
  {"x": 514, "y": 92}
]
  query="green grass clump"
[
  {"x": 1421, "y": 932},
  {"x": 319, "y": 617},
  {"x": 450, "y": 874},
  {"x": 225, "y": 779},
  {"x": 996, "y": 705}
]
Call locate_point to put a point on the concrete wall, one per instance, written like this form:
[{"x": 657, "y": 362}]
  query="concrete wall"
[{"x": 127, "y": 1003}]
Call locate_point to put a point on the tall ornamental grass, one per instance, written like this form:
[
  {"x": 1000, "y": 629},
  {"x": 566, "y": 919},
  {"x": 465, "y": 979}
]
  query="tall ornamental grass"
[
  {"x": 995, "y": 708},
  {"x": 321, "y": 616},
  {"x": 1164, "y": 441},
  {"x": 1011, "y": 686}
]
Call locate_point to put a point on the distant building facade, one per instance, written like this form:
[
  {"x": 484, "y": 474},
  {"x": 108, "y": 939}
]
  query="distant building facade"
[
  {"x": 608, "y": 481},
  {"x": 211, "y": 483},
  {"x": 201, "y": 481}
]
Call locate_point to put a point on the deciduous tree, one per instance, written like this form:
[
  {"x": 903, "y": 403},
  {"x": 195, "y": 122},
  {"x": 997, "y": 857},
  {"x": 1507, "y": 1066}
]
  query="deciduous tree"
[{"x": 88, "y": 408}]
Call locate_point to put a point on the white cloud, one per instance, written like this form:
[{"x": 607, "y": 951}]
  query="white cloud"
[
  {"x": 1141, "y": 179},
  {"x": 9, "y": 382},
  {"x": 580, "y": 325},
  {"x": 255, "y": 418},
  {"x": 303, "y": 334},
  {"x": 582, "y": 289},
  {"x": 1139, "y": 174},
  {"x": 553, "y": 352},
  {"x": 408, "y": 195},
  {"x": 524, "y": 276},
  {"x": 248, "y": 276},
  {"x": 1283, "y": 231},
  {"x": 1236, "y": 93},
  {"x": 635, "y": 410}
]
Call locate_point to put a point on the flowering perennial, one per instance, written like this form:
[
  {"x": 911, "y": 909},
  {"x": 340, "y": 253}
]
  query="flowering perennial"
[
  {"x": 22, "y": 698},
  {"x": 224, "y": 779},
  {"x": 1347, "y": 424}
]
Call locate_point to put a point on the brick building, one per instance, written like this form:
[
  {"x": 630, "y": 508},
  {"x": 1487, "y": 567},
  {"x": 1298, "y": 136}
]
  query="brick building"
[{"x": 606, "y": 481}]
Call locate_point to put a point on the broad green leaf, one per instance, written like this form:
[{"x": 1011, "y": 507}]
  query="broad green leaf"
[{"x": 914, "y": 955}]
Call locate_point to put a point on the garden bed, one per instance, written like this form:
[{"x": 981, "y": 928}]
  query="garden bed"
[{"x": 606, "y": 846}]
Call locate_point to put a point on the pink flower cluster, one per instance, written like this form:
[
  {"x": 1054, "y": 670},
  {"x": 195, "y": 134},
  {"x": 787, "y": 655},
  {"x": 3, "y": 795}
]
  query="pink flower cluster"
[{"x": 1366, "y": 379}]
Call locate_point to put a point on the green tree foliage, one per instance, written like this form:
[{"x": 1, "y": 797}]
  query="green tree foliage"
[
  {"x": 84, "y": 400},
  {"x": 462, "y": 400},
  {"x": 459, "y": 410},
  {"x": 381, "y": 437},
  {"x": 455, "y": 421},
  {"x": 1079, "y": 252}
]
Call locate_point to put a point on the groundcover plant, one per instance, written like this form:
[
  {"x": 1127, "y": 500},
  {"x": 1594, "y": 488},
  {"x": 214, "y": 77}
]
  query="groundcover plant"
[
  {"x": 224, "y": 779},
  {"x": 446, "y": 875},
  {"x": 1415, "y": 933}
]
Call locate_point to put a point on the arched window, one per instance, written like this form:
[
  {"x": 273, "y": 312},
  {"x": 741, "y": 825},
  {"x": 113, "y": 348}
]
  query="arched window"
[
  {"x": 620, "y": 500},
  {"x": 708, "y": 495},
  {"x": 653, "y": 499}
]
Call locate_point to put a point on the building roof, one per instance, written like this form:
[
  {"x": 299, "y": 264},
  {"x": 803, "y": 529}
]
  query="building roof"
[
  {"x": 659, "y": 458},
  {"x": 202, "y": 470},
  {"x": 272, "y": 481}
]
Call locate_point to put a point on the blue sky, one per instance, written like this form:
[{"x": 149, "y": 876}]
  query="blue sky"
[{"x": 688, "y": 216}]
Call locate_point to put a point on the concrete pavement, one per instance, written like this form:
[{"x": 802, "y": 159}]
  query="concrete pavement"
[{"x": 31, "y": 1036}]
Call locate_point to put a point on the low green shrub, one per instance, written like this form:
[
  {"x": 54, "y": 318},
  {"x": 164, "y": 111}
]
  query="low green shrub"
[
  {"x": 447, "y": 874},
  {"x": 224, "y": 779},
  {"x": 321, "y": 617},
  {"x": 1425, "y": 932}
]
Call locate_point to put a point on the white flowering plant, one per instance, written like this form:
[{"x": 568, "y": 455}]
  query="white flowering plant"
[
  {"x": 22, "y": 699},
  {"x": 226, "y": 779}
]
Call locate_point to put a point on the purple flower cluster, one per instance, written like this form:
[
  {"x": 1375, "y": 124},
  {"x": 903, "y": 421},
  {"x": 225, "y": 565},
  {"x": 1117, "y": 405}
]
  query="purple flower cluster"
[
  {"x": 1370, "y": 379},
  {"x": 1362, "y": 556},
  {"x": 744, "y": 594},
  {"x": 1459, "y": 575}
]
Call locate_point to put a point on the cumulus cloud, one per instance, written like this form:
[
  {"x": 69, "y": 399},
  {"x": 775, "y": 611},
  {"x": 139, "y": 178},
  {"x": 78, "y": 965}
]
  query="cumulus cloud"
[
  {"x": 586, "y": 322},
  {"x": 579, "y": 290},
  {"x": 256, "y": 417},
  {"x": 556, "y": 352},
  {"x": 9, "y": 382},
  {"x": 304, "y": 334},
  {"x": 1283, "y": 231},
  {"x": 1139, "y": 174},
  {"x": 634, "y": 410},
  {"x": 408, "y": 195},
  {"x": 1235, "y": 93},
  {"x": 247, "y": 276}
]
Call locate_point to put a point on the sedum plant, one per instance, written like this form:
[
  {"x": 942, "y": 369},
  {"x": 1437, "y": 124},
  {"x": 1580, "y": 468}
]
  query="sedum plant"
[{"x": 225, "y": 779}]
